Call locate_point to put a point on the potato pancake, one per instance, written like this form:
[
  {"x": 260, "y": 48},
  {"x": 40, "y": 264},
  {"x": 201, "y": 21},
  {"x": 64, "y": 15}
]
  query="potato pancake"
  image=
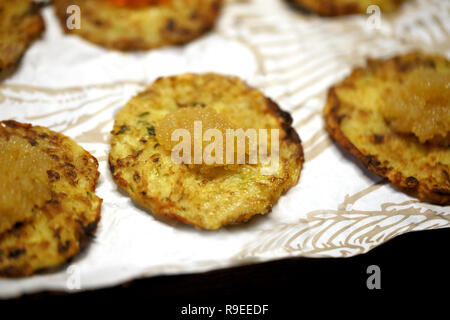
[
  {"x": 343, "y": 7},
  {"x": 206, "y": 197},
  {"x": 20, "y": 25},
  {"x": 389, "y": 114},
  {"x": 48, "y": 208},
  {"x": 140, "y": 25}
]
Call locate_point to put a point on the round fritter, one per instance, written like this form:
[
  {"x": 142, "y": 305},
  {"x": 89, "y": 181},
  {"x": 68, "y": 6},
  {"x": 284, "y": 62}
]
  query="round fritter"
[
  {"x": 344, "y": 7},
  {"x": 20, "y": 25},
  {"x": 122, "y": 25},
  {"x": 48, "y": 210},
  {"x": 356, "y": 118},
  {"x": 206, "y": 199}
]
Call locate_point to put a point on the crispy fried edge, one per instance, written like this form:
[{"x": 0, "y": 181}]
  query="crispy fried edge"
[
  {"x": 36, "y": 31},
  {"x": 164, "y": 210},
  {"x": 329, "y": 8},
  {"x": 409, "y": 185},
  {"x": 83, "y": 233},
  {"x": 123, "y": 44}
]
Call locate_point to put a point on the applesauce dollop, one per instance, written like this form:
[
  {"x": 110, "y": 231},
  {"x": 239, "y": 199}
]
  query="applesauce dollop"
[{"x": 421, "y": 106}]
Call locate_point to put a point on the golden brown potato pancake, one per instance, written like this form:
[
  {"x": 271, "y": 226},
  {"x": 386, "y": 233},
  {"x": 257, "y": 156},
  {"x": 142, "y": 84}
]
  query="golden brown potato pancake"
[
  {"x": 20, "y": 25},
  {"x": 357, "y": 119},
  {"x": 48, "y": 208},
  {"x": 212, "y": 198},
  {"x": 140, "y": 25},
  {"x": 344, "y": 7}
]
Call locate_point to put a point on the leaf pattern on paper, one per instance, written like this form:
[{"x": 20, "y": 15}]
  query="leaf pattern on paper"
[
  {"x": 88, "y": 111},
  {"x": 345, "y": 231}
]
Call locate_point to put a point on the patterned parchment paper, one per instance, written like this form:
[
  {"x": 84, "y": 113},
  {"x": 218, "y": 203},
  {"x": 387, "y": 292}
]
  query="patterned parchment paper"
[{"x": 338, "y": 209}]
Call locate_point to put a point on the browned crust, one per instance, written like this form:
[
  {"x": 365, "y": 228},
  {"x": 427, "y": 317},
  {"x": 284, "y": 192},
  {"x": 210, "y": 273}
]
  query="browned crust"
[
  {"x": 325, "y": 8},
  {"x": 332, "y": 8},
  {"x": 409, "y": 185},
  {"x": 32, "y": 32},
  {"x": 171, "y": 34},
  {"x": 286, "y": 120},
  {"x": 286, "y": 123},
  {"x": 84, "y": 230},
  {"x": 85, "y": 233}
]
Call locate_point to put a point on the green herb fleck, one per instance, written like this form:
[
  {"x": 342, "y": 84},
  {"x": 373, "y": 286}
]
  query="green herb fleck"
[
  {"x": 123, "y": 128},
  {"x": 143, "y": 122},
  {"x": 151, "y": 130},
  {"x": 143, "y": 114},
  {"x": 198, "y": 104}
]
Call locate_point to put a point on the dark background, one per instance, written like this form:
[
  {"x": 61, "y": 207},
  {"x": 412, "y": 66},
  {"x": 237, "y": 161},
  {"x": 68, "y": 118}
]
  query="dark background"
[{"x": 414, "y": 264}]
